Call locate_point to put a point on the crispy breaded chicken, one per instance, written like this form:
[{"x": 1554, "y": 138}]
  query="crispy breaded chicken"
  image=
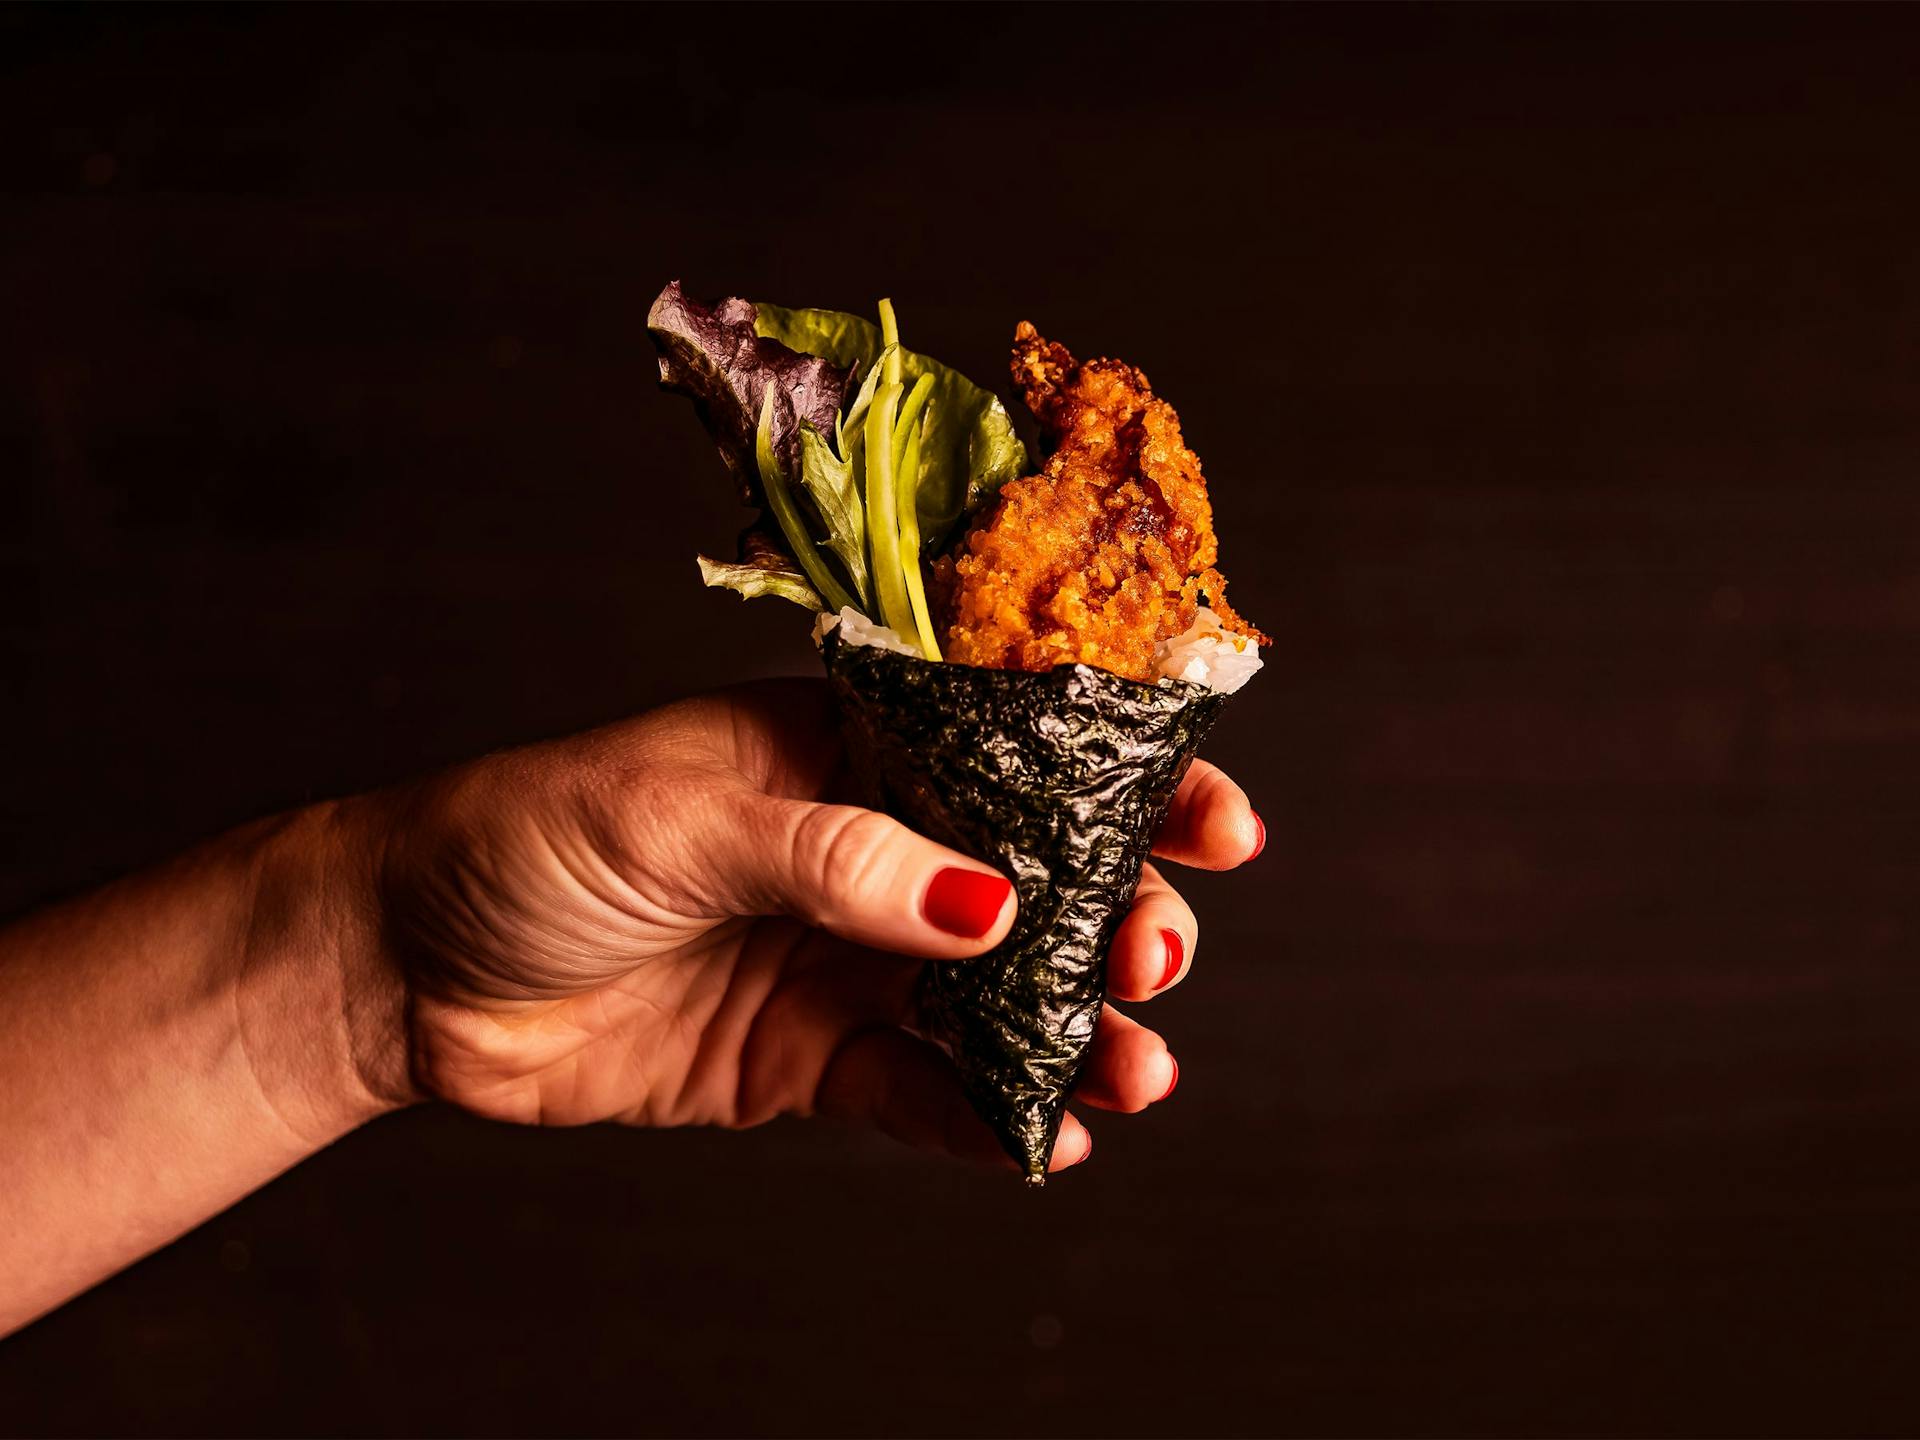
[{"x": 1107, "y": 551}]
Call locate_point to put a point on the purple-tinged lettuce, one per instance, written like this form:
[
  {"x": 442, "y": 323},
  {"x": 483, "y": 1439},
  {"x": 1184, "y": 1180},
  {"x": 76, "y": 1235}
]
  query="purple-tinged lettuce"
[{"x": 715, "y": 357}]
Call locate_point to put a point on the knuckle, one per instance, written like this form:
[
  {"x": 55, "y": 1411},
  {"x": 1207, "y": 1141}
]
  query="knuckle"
[
  {"x": 849, "y": 852},
  {"x": 1213, "y": 795}
]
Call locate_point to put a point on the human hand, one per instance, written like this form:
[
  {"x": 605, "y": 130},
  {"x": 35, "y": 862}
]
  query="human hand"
[{"x": 667, "y": 922}]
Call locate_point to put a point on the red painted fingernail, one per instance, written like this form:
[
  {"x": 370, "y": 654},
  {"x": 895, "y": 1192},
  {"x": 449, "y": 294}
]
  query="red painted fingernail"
[
  {"x": 1174, "y": 1083},
  {"x": 1176, "y": 953},
  {"x": 1260, "y": 835},
  {"x": 965, "y": 902}
]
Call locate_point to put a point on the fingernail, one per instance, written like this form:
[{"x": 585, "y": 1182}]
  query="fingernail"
[
  {"x": 1174, "y": 1083},
  {"x": 1176, "y": 953},
  {"x": 1260, "y": 835},
  {"x": 965, "y": 902}
]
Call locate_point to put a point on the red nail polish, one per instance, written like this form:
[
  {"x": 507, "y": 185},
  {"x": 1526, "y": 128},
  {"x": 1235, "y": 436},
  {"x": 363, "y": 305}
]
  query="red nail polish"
[
  {"x": 1260, "y": 836},
  {"x": 1176, "y": 953},
  {"x": 965, "y": 902},
  {"x": 1174, "y": 1083}
]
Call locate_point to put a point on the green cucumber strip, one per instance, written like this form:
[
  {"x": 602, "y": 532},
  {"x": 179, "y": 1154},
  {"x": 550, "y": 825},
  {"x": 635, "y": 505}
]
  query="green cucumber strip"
[
  {"x": 909, "y": 483},
  {"x": 883, "y": 524},
  {"x": 890, "y": 337},
  {"x": 910, "y": 412},
  {"x": 780, "y": 500}
]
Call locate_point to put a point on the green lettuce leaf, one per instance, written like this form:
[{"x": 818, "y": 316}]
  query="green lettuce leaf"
[
  {"x": 829, "y": 483},
  {"x": 793, "y": 525},
  {"x": 764, "y": 568},
  {"x": 971, "y": 450}
]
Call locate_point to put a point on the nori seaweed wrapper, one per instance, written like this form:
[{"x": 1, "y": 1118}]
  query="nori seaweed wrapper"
[{"x": 1057, "y": 778}]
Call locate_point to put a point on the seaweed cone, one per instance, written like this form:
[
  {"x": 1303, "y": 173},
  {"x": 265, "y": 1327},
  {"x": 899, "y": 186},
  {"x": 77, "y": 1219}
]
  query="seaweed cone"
[{"x": 1059, "y": 778}]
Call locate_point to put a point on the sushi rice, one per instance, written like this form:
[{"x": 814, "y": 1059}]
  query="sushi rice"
[{"x": 1205, "y": 653}]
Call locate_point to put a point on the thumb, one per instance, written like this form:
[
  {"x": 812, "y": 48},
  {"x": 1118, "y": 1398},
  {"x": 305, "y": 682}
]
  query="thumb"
[{"x": 865, "y": 877}]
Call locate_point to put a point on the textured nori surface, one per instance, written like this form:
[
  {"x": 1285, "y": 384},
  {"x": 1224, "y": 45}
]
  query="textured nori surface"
[{"x": 1057, "y": 778}]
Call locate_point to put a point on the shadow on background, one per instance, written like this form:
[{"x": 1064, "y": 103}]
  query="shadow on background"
[{"x": 1558, "y": 377}]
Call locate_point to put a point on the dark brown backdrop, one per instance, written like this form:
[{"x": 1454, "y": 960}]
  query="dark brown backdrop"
[{"x": 1558, "y": 373}]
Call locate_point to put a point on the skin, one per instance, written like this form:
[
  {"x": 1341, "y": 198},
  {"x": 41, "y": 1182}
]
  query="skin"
[{"x": 664, "y": 922}]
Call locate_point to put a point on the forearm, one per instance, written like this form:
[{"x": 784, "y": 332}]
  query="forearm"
[{"x": 174, "y": 1041}]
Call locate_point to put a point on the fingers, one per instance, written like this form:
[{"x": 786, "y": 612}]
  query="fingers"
[
  {"x": 908, "y": 1089},
  {"x": 1129, "y": 1067},
  {"x": 863, "y": 876},
  {"x": 1210, "y": 825},
  {"x": 1154, "y": 949}
]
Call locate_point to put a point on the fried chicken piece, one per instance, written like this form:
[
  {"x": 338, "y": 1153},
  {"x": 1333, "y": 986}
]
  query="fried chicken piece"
[{"x": 1103, "y": 554}]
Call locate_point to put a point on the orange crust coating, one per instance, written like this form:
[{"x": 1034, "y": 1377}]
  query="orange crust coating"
[{"x": 1102, "y": 555}]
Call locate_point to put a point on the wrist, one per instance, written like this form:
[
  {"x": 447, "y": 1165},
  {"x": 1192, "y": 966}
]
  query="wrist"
[{"x": 321, "y": 1007}]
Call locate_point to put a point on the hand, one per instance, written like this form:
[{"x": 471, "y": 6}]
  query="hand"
[{"x": 666, "y": 923}]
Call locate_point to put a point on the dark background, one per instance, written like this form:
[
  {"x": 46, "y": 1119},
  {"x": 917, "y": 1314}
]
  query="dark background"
[{"x": 1558, "y": 376}]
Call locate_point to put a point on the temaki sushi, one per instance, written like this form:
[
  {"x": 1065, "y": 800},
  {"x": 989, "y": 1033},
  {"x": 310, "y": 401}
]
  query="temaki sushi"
[{"x": 1024, "y": 663}]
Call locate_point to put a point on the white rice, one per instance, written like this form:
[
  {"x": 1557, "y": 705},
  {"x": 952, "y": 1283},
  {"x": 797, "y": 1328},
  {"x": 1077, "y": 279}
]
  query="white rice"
[
  {"x": 1206, "y": 653},
  {"x": 857, "y": 629}
]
